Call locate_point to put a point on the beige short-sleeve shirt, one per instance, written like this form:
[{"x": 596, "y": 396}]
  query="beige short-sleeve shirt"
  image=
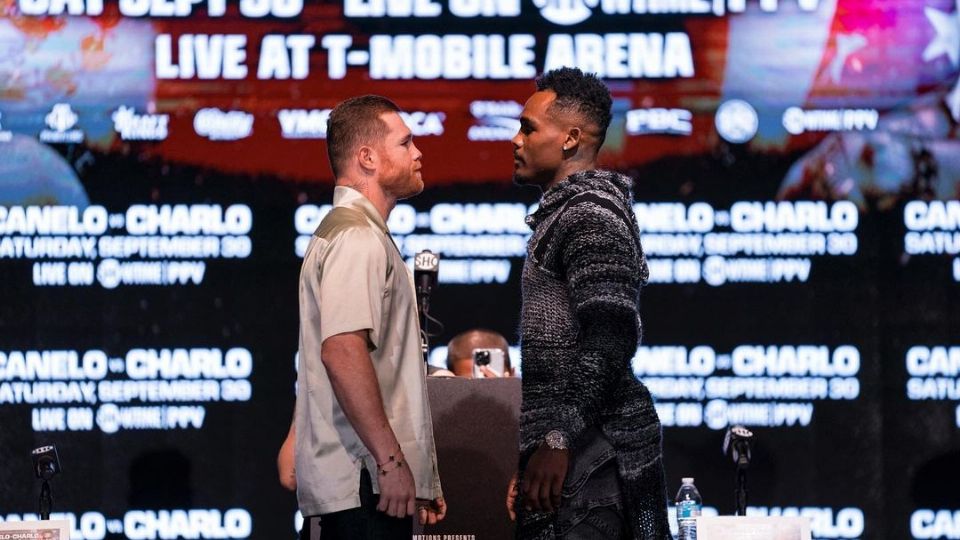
[{"x": 353, "y": 278}]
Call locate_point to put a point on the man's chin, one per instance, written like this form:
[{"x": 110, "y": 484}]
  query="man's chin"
[
  {"x": 522, "y": 180},
  {"x": 415, "y": 189}
]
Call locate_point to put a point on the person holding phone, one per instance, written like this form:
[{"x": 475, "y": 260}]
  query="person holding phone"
[{"x": 479, "y": 353}]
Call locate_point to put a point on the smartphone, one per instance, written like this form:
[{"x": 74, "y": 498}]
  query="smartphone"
[{"x": 492, "y": 358}]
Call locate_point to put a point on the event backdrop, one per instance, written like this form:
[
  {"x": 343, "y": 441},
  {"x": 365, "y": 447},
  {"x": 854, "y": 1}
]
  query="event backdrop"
[{"x": 163, "y": 163}]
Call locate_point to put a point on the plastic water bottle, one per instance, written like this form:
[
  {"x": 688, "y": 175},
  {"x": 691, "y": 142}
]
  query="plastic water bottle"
[{"x": 689, "y": 505}]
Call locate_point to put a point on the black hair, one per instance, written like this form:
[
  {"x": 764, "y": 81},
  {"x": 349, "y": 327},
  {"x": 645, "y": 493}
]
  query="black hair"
[{"x": 580, "y": 93}]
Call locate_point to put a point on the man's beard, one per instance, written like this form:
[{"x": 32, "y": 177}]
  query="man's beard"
[
  {"x": 528, "y": 180},
  {"x": 401, "y": 182},
  {"x": 520, "y": 180}
]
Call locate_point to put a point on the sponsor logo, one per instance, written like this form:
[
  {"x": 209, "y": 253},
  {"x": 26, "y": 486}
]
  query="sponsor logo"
[
  {"x": 797, "y": 121},
  {"x": 218, "y": 125},
  {"x": 737, "y": 121},
  {"x": 140, "y": 127},
  {"x": 494, "y": 120},
  {"x": 566, "y": 12},
  {"x": 424, "y": 124},
  {"x": 303, "y": 124},
  {"x": 659, "y": 121},
  {"x": 312, "y": 124},
  {"x": 60, "y": 125}
]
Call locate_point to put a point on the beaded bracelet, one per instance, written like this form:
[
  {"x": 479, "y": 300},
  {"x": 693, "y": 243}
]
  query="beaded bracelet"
[{"x": 391, "y": 459}]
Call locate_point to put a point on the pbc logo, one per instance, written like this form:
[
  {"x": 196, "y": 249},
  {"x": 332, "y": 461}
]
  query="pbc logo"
[{"x": 659, "y": 121}]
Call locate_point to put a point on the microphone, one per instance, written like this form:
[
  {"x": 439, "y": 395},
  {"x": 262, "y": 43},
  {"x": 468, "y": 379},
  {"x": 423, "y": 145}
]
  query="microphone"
[
  {"x": 736, "y": 445},
  {"x": 46, "y": 463},
  {"x": 426, "y": 266}
]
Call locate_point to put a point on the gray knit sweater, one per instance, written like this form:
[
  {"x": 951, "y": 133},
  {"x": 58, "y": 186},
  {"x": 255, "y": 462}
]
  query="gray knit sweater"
[{"x": 579, "y": 331}]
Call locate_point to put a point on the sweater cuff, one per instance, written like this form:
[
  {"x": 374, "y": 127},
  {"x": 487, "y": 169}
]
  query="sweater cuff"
[{"x": 570, "y": 422}]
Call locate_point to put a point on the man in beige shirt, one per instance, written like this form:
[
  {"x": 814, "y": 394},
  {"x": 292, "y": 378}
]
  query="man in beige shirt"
[{"x": 365, "y": 454}]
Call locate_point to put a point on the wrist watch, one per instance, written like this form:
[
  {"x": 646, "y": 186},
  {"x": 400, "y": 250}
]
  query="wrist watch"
[{"x": 556, "y": 440}]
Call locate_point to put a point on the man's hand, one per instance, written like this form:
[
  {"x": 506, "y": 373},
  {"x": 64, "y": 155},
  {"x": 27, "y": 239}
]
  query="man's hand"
[
  {"x": 397, "y": 491},
  {"x": 512, "y": 493},
  {"x": 431, "y": 512},
  {"x": 543, "y": 479},
  {"x": 286, "y": 462},
  {"x": 488, "y": 373}
]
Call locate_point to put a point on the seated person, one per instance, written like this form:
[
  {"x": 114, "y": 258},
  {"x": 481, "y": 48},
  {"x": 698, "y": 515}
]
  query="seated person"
[{"x": 460, "y": 354}]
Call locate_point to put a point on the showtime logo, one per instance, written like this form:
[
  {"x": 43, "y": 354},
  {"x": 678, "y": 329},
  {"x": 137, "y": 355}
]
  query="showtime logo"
[
  {"x": 566, "y": 12},
  {"x": 218, "y": 125}
]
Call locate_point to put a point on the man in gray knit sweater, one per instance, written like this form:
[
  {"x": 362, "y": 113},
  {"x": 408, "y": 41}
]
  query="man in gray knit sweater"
[{"x": 590, "y": 440}]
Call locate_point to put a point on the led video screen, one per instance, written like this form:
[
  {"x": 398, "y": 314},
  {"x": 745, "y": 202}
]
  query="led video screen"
[{"x": 796, "y": 165}]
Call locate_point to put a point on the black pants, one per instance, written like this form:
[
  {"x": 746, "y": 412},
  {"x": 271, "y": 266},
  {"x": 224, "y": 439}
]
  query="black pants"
[{"x": 363, "y": 523}]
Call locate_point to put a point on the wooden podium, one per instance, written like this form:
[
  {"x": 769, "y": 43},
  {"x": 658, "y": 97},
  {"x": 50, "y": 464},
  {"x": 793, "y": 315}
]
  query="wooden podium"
[{"x": 476, "y": 428}]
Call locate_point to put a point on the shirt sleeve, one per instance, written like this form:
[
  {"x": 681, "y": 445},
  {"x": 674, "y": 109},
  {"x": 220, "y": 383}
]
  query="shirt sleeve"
[
  {"x": 601, "y": 260},
  {"x": 353, "y": 277}
]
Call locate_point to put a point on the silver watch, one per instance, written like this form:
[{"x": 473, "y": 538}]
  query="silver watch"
[{"x": 556, "y": 440}]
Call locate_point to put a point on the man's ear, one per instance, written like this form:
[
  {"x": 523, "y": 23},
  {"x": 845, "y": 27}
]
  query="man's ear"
[
  {"x": 572, "y": 140},
  {"x": 367, "y": 158}
]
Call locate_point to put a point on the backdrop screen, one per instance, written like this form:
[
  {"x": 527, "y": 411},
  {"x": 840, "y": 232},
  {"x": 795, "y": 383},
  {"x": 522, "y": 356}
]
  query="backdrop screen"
[{"x": 796, "y": 165}]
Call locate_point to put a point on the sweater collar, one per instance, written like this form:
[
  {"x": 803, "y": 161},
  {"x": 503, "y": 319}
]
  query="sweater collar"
[{"x": 616, "y": 184}]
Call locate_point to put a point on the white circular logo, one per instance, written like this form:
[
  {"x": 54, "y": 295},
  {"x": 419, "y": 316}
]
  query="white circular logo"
[
  {"x": 566, "y": 12},
  {"x": 737, "y": 121},
  {"x": 793, "y": 121},
  {"x": 714, "y": 271},
  {"x": 108, "y": 273},
  {"x": 426, "y": 260}
]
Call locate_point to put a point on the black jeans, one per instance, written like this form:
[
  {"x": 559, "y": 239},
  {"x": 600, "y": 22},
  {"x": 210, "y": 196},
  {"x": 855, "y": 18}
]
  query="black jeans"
[
  {"x": 365, "y": 522},
  {"x": 591, "y": 503}
]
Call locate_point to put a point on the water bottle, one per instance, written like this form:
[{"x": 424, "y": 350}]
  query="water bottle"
[{"x": 689, "y": 505}]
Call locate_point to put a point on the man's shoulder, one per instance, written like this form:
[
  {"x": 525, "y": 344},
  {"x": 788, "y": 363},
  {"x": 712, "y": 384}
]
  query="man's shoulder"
[
  {"x": 595, "y": 203},
  {"x": 342, "y": 219}
]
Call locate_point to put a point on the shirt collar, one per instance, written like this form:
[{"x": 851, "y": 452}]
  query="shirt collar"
[{"x": 351, "y": 198}]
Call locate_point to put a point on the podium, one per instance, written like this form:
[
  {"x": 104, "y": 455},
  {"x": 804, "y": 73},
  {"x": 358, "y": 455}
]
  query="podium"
[
  {"x": 476, "y": 428},
  {"x": 753, "y": 528},
  {"x": 57, "y": 529}
]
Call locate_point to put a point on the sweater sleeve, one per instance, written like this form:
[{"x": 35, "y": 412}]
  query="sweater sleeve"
[{"x": 601, "y": 260}]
